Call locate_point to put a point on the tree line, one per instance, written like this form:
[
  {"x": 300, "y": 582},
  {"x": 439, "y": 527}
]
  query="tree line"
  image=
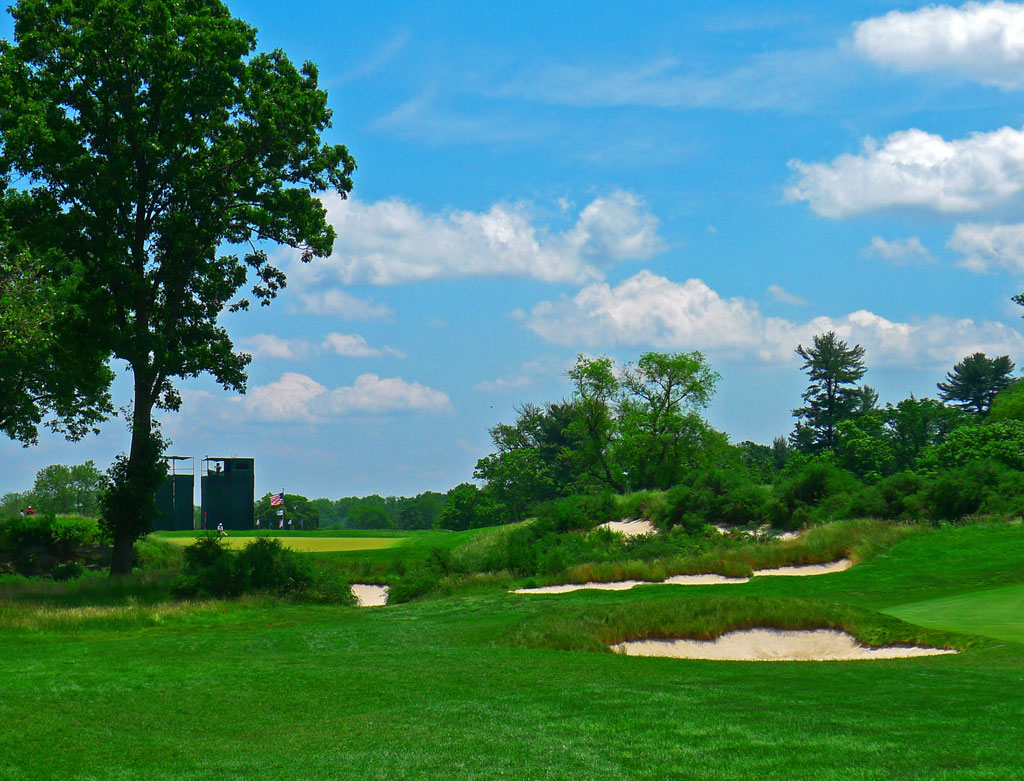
[{"x": 640, "y": 427}]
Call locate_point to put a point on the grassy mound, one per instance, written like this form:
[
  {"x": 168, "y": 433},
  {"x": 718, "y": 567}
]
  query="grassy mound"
[{"x": 595, "y": 628}]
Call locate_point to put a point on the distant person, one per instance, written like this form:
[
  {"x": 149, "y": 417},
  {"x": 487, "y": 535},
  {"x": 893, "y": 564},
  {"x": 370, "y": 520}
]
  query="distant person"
[
  {"x": 22, "y": 512},
  {"x": 280, "y": 524},
  {"x": 257, "y": 523},
  {"x": 291, "y": 525},
  {"x": 220, "y": 530},
  {"x": 30, "y": 511}
]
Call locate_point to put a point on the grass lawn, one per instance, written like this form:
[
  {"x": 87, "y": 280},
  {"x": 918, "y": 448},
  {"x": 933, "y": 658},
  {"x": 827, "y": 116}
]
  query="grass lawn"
[
  {"x": 446, "y": 688},
  {"x": 997, "y": 613}
]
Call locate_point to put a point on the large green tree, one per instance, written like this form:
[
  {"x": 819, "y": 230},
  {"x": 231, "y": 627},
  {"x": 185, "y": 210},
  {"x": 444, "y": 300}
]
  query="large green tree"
[
  {"x": 152, "y": 134},
  {"x": 68, "y": 489},
  {"x": 48, "y": 366},
  {"x": 975, "y": 381},
  {"x": 296, "y": 508},
  {"x": 832, "y": 395}
]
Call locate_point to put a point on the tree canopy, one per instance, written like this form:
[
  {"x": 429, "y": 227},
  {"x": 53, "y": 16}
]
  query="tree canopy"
[
  {"x": 832, "y": 395},
  {"x": 975, "y": 381},
  {"x": 151, "y": 134},
  {"x": 47, "y": 368}
]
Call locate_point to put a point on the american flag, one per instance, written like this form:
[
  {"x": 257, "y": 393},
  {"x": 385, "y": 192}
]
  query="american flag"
[{"x": 276, "y": 500}]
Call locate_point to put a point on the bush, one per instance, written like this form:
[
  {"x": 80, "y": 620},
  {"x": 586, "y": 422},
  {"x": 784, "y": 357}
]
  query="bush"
[
  {"x": 416, "y": 583},
  {"x": 28, "y": 531},
  {"x": 264, "y": 565},
  {"x": 70, "y": 570},
  {"x": 579, "y": 512}
]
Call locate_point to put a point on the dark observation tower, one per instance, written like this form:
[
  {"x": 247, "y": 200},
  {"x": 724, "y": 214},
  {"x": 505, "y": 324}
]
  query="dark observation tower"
[
  {"x": 174, "y": 499},
  {"x": 227, "y": 486}
]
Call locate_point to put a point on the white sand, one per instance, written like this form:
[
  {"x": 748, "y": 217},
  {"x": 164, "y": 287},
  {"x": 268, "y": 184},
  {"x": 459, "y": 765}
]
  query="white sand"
[
  {"x": 370, "y": 596},
  {"x": 625, "y": 585},
  {"x": 807, "y": 569},
  {"x": 632, "y": 528},
  {"x": 691, "y": 580},
  {"x": 773, "y": 645}
]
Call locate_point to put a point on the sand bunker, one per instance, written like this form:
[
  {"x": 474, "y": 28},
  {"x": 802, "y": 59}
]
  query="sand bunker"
[
  {"x": 773, "y": 645},
  {"x": 370, "y": 596},
  {"x": 691, "y": 580},
  {"x": 807, "y": 569},
  {"x": 630, "y": 528},
  {"x": 625, "y": 585}
]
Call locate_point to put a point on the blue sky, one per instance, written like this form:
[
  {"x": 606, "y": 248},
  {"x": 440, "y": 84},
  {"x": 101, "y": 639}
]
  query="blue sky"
[{"x": 538, "y": 180}]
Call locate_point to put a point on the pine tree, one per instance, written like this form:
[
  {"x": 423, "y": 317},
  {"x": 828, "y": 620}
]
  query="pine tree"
[
  {"x": 975, "y": 381},
  {"x": 833, "y": 394}
]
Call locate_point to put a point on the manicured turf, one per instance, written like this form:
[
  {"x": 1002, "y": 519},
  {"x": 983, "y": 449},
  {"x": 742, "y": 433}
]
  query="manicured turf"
[
  {"x": 444, "y": 689},
  {"x": 308, "y": 544},
  {"x": 997, "y": 613}
]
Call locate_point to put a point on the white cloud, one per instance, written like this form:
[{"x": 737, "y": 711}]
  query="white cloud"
[
  {"x": 988, "y": 247},
  {"x": 355, "y": 346},
  {"x": 390, "y": 242},
  {"x": 298, "y": 398},
  {"x": 899, "y": 252},
  {"x": 650, "y": 310},
  {"x": 341, "y": 304},
  {"x": 980, "y": 41},
  {"x": 783, "y": 296},
  {"x": 271, "y": 346},
  {"x": 912, "y": 169}
]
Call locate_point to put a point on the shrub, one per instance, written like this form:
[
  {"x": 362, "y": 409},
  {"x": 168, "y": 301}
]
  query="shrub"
[
  {"x": 70, "y": 533},
  {"x": 28, "y": 531},
  {"x": 70, "y": 570},
  {"x": 208, "y": 569},
  {"x": 415, "y": 584},
  {"x": 578, "y": 512},
  {"x": 264, "y": 565}
]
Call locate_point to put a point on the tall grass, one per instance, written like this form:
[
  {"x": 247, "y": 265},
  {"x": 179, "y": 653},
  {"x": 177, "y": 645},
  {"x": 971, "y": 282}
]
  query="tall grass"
[
  {"x": 93, "y": 588},
  {"x": 858, "y": 540}
]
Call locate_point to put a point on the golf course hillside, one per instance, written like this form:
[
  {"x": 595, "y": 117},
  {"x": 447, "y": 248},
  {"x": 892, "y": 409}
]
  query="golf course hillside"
[{"x": 468, "y": 678}]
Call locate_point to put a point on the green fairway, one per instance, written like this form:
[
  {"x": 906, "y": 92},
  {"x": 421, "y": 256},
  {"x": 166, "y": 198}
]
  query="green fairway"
[
  {"x": 307, "y": 544},
  {"x": 469, "y": 686},
  {"x": 997, "y": 613}
]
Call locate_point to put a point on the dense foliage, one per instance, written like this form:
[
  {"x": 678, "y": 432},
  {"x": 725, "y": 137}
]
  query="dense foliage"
[
  {"x": 263, "y": 566},
  {"x": 303, "y": 513},
  {"x": 141, "y": 165}
]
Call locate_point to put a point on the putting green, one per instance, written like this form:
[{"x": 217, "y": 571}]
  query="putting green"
[
  {"x": 997, "y": 612},
  {"x": 307, "y": 544}
]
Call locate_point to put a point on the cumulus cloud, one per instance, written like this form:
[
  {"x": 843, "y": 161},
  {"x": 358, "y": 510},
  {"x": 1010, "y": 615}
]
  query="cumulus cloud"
[
  {"x": 271, "y": 346},
  {"x": 783, "y": 296},
  {"x": 355, "y": 346},
  {"x": 980, "y": 41},
  {"x": 342, "y": 304},
  {"x": 912, "y": 169},
  {"x": 899, "y": 252},
  {"x": 390, "y": 242},
  {"x": 650, "y": 310},
  {"x": 988, "y": 247},
  {"x": 298, "y": 398}
]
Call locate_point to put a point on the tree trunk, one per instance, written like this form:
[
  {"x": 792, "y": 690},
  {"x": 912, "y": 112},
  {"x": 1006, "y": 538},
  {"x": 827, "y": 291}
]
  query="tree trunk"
[
  {"x": 123, "y": 558},
  {"x": 134, "y": 523}
]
